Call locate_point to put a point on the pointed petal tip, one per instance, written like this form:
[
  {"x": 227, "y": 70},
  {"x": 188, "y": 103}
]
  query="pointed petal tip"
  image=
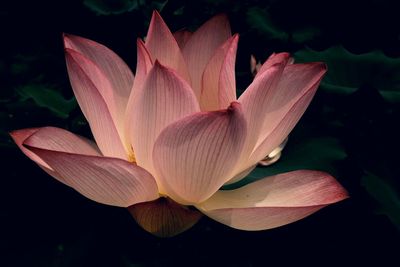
[
  {"x": 322, "y": 66},
  {"x": 156, "y": 17},
  {"x": 156, "y": 13},
  {"x": 221, "y": 18},
  {"x": 139, "y": 41},
  {"x": 337, "y": 192},
  {"x": 20, "y": 135}
]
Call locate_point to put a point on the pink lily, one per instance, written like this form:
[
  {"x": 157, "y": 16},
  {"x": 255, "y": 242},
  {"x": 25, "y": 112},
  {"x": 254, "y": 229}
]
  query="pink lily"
[{"x": 167, "y": 139}]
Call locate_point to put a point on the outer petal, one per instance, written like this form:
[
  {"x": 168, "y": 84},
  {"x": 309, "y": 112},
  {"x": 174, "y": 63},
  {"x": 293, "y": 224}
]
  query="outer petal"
[
  {"x": 202, "y": 46},
  {"x": 255, "y": 103},
  {"x": 274, "y": 201},
  {"x": 19, "y": 136},
  {"x": 109, "y": 181},
  {"x": 272, "y": 60},
  {"x": 194, "y": 156},
  {"x": 164, "y": 217},
  {"x": 286, "y": 105},
  {"x": 54, "y": 139},
  {"x": 94, "y": 107},
  {"x": 182, "y": 37},
  {"x": 218, "y": 81},
  {"x": 162, "y": 46},
  {"x": 112, "y": 67},
  {"x": 164, "y": 98}
]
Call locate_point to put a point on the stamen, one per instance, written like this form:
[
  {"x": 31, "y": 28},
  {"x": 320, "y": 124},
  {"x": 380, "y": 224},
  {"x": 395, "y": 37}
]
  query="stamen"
[{"x": 131, "y": 157}]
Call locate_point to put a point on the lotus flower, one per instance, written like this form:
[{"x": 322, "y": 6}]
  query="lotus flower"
[{"x": 169, "y": 138}]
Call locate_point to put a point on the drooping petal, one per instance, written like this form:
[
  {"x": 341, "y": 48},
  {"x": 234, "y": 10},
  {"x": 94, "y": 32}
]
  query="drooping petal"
[
  {"x": 105, "y": 180},
  {"x": 19, "y": 136},
  {"x": 164, "y": 217},
  {"x": 94, "y": 107},
  {"x": 164, "y": 98},
  {"x": 286, "y": 105},
  {"x": 218, "y": 82},
  {"x": 202, "y": 45},
  {"x": 274, "y": 201},
  {"x": 107, "y": 66},
  {"x": 57, "y": 139},
  {"x": 194, "y": 156},
  {"x": 53, "y": 138},
  {"x": 272, "y": 60},
  {"x": 163, "y": 47},
  {"x": 182, "y": 37}
]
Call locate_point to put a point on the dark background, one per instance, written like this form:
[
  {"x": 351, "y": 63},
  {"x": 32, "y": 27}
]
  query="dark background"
[{"x": 350, "y": 130}]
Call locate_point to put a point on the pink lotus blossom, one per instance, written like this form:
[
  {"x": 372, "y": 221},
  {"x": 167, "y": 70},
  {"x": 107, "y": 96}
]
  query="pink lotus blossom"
[{"x": 168, "y": 138}]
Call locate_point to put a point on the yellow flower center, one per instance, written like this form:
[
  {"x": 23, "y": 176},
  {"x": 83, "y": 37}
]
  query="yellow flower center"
[{"x": 131, "y": 157}]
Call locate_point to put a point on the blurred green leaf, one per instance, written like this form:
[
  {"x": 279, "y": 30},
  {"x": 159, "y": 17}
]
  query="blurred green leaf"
[
  {"x": 111, "y": 7},
  {"x": 159, "y": 5},
  {"x": 386, "y": 196},
  {"x": 313, "y": 154},
  {"x": 261, "y": 21},
  {"x": 47, "y": 98},
  {"x": 305, "y": 35},
  {"x": 347, "y": 71}
]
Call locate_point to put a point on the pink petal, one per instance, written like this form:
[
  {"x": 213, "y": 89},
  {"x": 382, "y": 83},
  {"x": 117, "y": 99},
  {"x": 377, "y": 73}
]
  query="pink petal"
[
  {"x": 162, "y": 46},
  {"x": 19, "y": 137},
  {"x": 105, "y": 180},
  {"x": 274, "y": 201},
  {"x": 182, "y": 37},
  {"x": 218, "y": 82},
  {"x": 202, "y": 45},
  {"x": 144, "y": 65},
  {"x": 164, "y": 217},
  {"x": 54, "y": 139},
  {"x": 94, "y": 107},
  {"x": 57, "y": 139},
  {"x": 164, "y": 98},
  {"x": 195, "y": 156},
  {"x": 255, "y": 103},
  {"x": 285, "y": 106},
  {"x": 105, "y": 65},
  {"x": 272, "y": 60}
]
